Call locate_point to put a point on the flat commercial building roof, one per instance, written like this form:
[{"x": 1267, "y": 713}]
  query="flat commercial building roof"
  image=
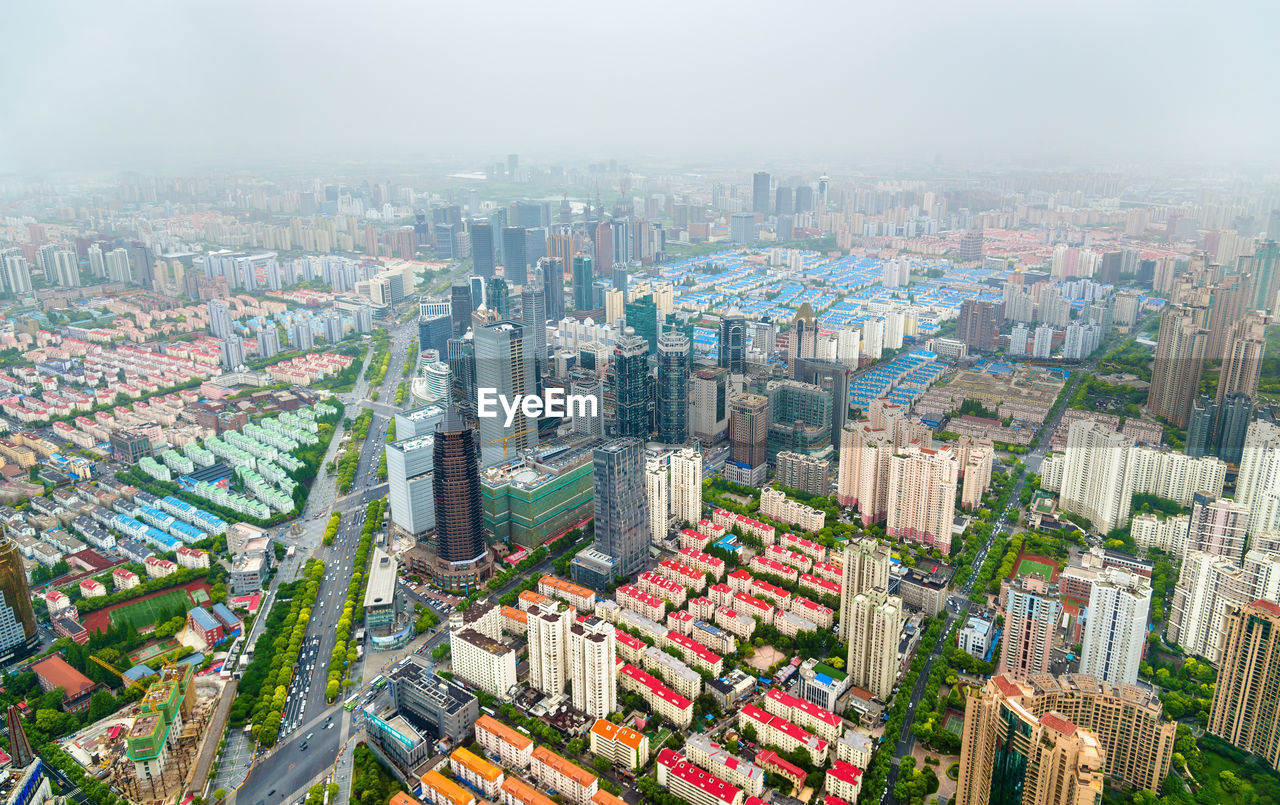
[{"x": 381, "y": 589}]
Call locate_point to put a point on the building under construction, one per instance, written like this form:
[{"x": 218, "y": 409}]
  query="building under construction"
[{"x": 164, "y": 739}]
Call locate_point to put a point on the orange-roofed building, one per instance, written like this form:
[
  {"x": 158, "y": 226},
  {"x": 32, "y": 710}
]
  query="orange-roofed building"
[
  {"x": 515, "y": 790},
  {"x": 574, "y": 782},
  {"x": 440, "y": 790},
  {"x": 401, "y": 798},
  {"x": 514, "y": 621},
  {"x": 605, "y": 798},
  {"x": 513, "y": 748},
  {"x": 475, "y": 770},
  {"x": 583, "y": 598},
  {"x": 623, "y": 747},
  {"x": 528, "y": 598}
]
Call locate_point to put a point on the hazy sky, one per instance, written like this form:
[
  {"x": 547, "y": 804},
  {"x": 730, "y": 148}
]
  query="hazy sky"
[{"x": 176, "y": 85}]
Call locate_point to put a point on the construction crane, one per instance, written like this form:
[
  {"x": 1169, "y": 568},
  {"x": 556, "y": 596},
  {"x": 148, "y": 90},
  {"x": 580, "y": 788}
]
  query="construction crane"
[
  {"x": 128, "y": 682},
  {"x": 503, "y": 441}
]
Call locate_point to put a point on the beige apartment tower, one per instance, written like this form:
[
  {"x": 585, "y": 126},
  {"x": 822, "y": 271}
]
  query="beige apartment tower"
[{"x": 1246, "y": 702}]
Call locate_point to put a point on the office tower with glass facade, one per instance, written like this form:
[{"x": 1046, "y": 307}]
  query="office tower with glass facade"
[
  {"x": 19, "y": 636},
  {"x": 533, "y": 314},
  {"x": 461, "y": 356},
  {"x": 583, "y": 280},
  {"x": 621, "y": 508},
  {"x": 498, "y": 297},
  {"x": 410, "y": 487},
  {"x": 481, "y": 248},
  {"x": 760, "y": 193},
  {"x": 552, "y": 269},
  {"x": 673, "y": 388},
  {"x": 463, "y": 556},
  {"x": 631, "y": 387},
  {"x": 504, "y": 356},
  {"x": 732, "y": 349},
  {"x": 514, "y": 267},
  {"x": 460, "y": 307}
]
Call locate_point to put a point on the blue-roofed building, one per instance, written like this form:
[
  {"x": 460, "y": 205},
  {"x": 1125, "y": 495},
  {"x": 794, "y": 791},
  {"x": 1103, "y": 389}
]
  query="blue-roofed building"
[
  {"x": 159, "y": 539},
  {"x": 202, "y": 624},
  {"x": 230, "y": 623},
  {"x": 187, "y": 533},
  {"x": 138, "y": 673}
]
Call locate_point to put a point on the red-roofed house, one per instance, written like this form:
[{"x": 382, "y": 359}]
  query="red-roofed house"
[
  {"x": 721, "y": 594},
  {"x": 680, "y": 621},
  {"x": 640, "y": 602},
  {"x": 711, "y": 565},
  {"x": 630, "y": 648},
  {"x": 844, "y": 780},
  {"x": 696, "y": 653},
  {"x": 769, "y": 761},
  {"x": 682, "y": 574},
  {"x": 692, "y": 784},
  {"x": 124, "y": 579},
  {"x": 823, "y": 723},
  {"x": 695, "y": 540},
  {"x": 754, "y": 607},
  {"x": 702, "y": 608},
  {"x": 77, "y": 689},
  {"x": 663, "y": 700},
  {"x": 779, "y": 732},
  {"x": 739, "y": 580}
]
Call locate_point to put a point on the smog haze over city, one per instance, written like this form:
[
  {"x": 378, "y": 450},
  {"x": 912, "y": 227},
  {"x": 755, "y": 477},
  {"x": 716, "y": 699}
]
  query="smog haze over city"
[
  {"x": 164, "y": 86},
  {"x": 664, "y": 403}
]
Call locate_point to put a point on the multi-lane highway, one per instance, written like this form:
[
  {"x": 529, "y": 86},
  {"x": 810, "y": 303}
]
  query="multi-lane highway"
[{"x": 298, "y": 759}]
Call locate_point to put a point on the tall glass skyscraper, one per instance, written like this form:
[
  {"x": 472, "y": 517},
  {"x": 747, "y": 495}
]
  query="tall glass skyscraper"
[
  {"x": 505, "y": 366},
  {"x": 673, "y": 388},
  {"x": 733, "y": 342},
  {"x": 621, "y": 506},
  {"x": 18, "y": 634},
  {"x": 533, "y": 314},
  {"x": 631, "y": 386},
  {"x": 459, "y": 541},
  {"x": 462, "y": 374},
  {"x": 481, "y": 248},
  {"x": 642, "y": 316},
  {"x": 582, "y": 281},
  {"x": 553, "y": 281},
  {"x": 460, "y": 307},
  {"x": 514, "y": 266}
]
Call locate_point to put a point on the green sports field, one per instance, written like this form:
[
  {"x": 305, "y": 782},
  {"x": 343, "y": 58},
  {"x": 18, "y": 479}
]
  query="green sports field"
[
  {"x": 145, "y": 613},
  {"x": 1031, "y": 567}
]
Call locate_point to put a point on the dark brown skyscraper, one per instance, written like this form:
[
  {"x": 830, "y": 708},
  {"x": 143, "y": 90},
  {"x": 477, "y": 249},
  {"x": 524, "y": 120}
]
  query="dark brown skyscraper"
[
  {"x": 979, "y": 324},
  {"x": 18, "y": 635},
  {"x": 459, "y": 542},
  {"x": 748, "y": 439}
]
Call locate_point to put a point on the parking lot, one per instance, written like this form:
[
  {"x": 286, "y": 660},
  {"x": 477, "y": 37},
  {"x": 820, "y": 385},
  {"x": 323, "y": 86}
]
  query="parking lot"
[{"x": 236, "y": 759}]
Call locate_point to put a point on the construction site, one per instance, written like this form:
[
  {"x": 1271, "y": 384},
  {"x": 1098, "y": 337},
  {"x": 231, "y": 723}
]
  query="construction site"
[{"x": 150, "y": 749}]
